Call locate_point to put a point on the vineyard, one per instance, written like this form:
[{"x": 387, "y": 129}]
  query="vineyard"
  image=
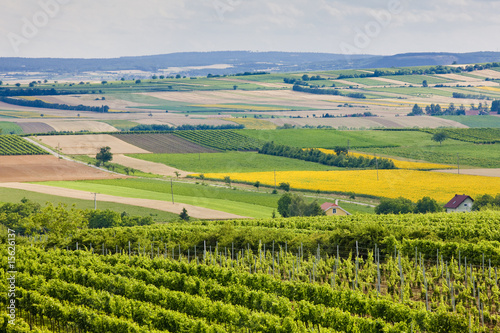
[
  {"x": 474, "y": 135},
  {"x": 161, "y": 143},
  {"x": 14, "y": 145},
  {"x": 358, "y": 274},
  {"x": 221, "y": 139}
]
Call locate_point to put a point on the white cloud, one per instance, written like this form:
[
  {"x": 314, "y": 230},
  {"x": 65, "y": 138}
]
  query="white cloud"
[{"x": 111, "y": 28}]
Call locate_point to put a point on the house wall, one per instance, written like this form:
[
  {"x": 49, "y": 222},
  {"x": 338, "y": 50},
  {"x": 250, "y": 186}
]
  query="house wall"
[
  {"x": 465, "y": 206},
  {"x": 339, "y": 212}
]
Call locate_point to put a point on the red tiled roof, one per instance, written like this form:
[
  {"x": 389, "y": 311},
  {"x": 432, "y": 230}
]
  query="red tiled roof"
[
  {"x": 327, "y": 205},
  {"x": 456, "y": 201}
]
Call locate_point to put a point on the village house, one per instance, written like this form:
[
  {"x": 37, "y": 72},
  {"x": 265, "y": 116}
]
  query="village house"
[
  {"x": 459, "y": 204},
  {"x": 331, "y": 209}
]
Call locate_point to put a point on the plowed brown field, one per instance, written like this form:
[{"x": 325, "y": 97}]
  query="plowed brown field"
[{"x": 46, "y": 167}]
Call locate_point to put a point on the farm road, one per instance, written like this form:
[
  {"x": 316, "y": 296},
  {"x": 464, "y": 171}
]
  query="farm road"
[{"x": 193, "y": 211}]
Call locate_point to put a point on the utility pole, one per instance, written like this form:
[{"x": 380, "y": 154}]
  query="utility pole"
[
  {"x": 275, "y": 179},
  {"x": 172, "y": 189},
  {"x": 95, "y": 201}
]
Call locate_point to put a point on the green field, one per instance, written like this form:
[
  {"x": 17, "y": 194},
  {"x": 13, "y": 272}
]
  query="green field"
[
  {"x": 123, "y": 125},
  {"x": 6, "y": 127},
  {"x": 161, "y": 191},
  {"x": 15, "y": 196},
  {"x": 418, "y": 79},
  {"x": 367, "y": 81},
  {"x": 476, "y": 121},
  {"x": 413, "y": 91},
  {"x": 329, "y": 138},
  {"x": 231, "y": 162}
]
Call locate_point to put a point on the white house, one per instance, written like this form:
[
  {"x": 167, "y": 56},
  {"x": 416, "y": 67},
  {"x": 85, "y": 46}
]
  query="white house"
[{"x": 460, "y": 204}]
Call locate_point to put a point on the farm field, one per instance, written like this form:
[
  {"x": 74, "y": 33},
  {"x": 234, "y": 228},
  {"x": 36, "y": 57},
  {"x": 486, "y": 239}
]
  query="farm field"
[
  {"x": 410, "y": 184},
  {"x": 221, "y": 139},
  {"x": 242, "y": 209},
  {"x": 45, "y": 167},
  {"x": 153, "y": 203},
  {"x": 476, "y": 121},
  {"x": 88, "y": 144},
  {"x": 34, "y": 127},
  {"x": 230, "y": 162},
  {"x": 16, "y": 195},
  {"x": 6, "y": 127},
  {"x": 163, "y": 143}
]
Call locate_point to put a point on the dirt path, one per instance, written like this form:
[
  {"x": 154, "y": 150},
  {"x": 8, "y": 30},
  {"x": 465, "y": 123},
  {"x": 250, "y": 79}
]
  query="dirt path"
[
  {"x": 474, "y": 172},
  {"x": 146, "y": 166},
  {"x": 196, "y": 212}
]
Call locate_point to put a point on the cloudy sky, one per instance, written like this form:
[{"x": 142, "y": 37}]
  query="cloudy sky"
[{"x": 114, "y": 28}]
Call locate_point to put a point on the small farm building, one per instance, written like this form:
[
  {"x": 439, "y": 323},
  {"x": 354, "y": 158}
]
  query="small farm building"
[
  {"x": 460, "y": 203},
  {"x": 334, "y": 209}
]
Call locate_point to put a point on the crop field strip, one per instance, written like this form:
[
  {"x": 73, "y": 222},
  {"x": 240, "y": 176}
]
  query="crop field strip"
[
  {"x": 399, "y": 287},
  {"x": 474, "y": 135},
  {"x": 160, "y": 143},
  {"x": 14, "y": 145},
  {"x": 35, "y": 127},
  {"x": 221, "y": 139}
]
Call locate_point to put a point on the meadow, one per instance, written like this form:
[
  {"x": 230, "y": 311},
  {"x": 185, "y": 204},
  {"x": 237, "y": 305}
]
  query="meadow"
[
  {"x": 161, "y": 191},
  {"x": 15, "y": 196},
  {"x": 7, "y": 127},
  {"x": 230, "y": 162}
]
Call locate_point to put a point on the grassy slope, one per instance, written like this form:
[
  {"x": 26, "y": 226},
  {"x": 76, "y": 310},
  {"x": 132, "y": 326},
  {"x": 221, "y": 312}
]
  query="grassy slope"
[
  {"x": 329, "y": 138},
  {"x": 15, "y": 196},
  {"x": 7, "y": 127},
  {"x": 476, "y": 121},
  {"x": 161, "y": 191},
  {"x": 231, "y": 162}
]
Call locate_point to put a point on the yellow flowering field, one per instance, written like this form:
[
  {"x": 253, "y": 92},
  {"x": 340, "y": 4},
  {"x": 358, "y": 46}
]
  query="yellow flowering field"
[
  {"x": 490, "y": 88},
  {"x": 411, "y": 184},
  {"x": 399, "y": 164}
]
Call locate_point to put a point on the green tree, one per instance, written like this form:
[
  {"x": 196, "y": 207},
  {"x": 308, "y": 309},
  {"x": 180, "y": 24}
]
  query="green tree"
[
  {"x": 235, "y": 87},
  {"x": 103, "y": 219},
  {"x": 285, "y": 186},
  {"x": 416, "y": 111},
  {"x": 439, "y": 137},
  {"x": 283, "y": 204},
  {"x": 427, "y": 205},
  {"x": 257, "y": 184},
  {"x": 295, "y": 205},
  {"x": 104, "y": 155},
  {"x": 395, "y": 206},
  {"x": 184, "y": 215},
  {"x": 227, "y": 180},
  {"x": 495, "y": 106},
  {"x": 424, "y": 83},
  {"x": 138, "y": 81},
  {"x": 305, "y": 77}
]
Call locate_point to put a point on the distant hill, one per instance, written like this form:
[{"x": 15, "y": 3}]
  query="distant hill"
[{"x": 240, "y": 61}]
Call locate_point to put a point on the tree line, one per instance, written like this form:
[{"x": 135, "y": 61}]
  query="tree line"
[
  {"x": 38, "y": 92},
  {"x": 28, "y": 218},
  {"x": 339, "y": 159},
  {"x": 41, "y": 104},
  {"x": 318, "y": 91},
  {"x": 185, "y": 127}
]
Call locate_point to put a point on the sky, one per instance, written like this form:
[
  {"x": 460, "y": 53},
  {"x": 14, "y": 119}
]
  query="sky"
[{"x": 115, "y": 28}]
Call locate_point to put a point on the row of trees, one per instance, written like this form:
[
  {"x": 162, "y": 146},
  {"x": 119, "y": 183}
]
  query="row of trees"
[
  {"x": 318, "y": 91},
  {"x": 405, "y": 206},
  {"x": 436, "y": 110},
  {"x": 294, "y": 205},
  {"x": 41, "y": 104},
  {"x": 340, "y": 159},
  {"x": 37, "y": 92},
  {"x": 185, "y": 127},
  {"x": 28, "y": 218}
]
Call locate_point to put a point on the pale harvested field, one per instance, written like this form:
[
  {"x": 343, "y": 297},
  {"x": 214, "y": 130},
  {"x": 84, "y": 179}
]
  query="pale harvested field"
[
  {"x": 89, "y": 144},
  {"x": 79, "y": 125},
  {"x": 264, "y": 84},
  {"x": 474, "y": 172},
  {"x": 367, "y": 122},
  {"x": 196, "y": 212},
  {"x": 45, "y": 168},
  {"x": 113, "y": 103},
  {"x": 146, "y": 166},
  {"x": 458, "y": 77},
  {"x": 177, "y": 120},
  {"x": 487, "y": 73},
  {"x": 382, "y": 79}
]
